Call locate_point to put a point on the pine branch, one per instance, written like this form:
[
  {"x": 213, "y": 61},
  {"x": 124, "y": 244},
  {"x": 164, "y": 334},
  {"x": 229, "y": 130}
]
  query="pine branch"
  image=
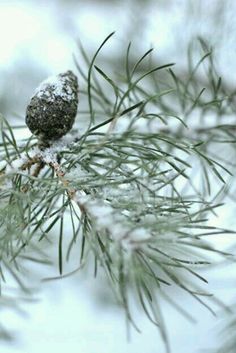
[{"x": 128, "y": 192}]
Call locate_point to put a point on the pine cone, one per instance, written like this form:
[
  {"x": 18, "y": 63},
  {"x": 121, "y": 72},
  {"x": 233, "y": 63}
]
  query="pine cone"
[{"x": 52, "y": 109}]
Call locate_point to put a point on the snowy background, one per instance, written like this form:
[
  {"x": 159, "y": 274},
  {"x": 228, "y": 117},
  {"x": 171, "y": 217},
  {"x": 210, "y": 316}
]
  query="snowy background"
[{"x": 37, "y": 39}]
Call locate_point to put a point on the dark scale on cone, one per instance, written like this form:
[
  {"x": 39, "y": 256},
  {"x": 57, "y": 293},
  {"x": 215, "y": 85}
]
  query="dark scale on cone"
[{"x": 52, "y": 110}]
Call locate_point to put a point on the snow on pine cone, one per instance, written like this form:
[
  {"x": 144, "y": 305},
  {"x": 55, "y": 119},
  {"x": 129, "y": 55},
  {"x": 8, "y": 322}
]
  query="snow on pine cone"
[{"x": 52, "y": 109}]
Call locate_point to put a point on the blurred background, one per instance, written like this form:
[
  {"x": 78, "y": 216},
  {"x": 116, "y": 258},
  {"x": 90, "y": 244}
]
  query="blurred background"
[{"x": 38, "y": 39}]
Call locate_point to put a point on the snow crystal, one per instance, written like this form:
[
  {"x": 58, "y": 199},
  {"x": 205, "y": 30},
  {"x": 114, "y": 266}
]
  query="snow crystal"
[
  {"x": 16, "y": 165},
  {"x": 139, "y": 234},
  {"x": 82, "y": 199},
  {"x": 103, "y": 214},
  {"x": 54, "y": 86},
  {"x": 100, "y": 210},
  {"x": 49, "y": 155},
  {"x": 107, "y": 218},
  {"x": 120, "y": 231}
]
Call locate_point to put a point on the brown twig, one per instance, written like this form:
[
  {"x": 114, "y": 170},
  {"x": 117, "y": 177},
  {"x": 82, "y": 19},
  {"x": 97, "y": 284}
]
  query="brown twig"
[{"x": 30, "y": 162}]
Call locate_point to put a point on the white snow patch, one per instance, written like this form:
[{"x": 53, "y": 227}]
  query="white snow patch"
[
  {"x": 58, "y": 87},
  {"x": 107, "y": 218},
  {"x": 49, "y": 155},
  {"x": 82, "y": 199},
  {"x": 102, "y": 214},
  {"x": 15, "y": 165},
  {"x": 139, "y": 234}
]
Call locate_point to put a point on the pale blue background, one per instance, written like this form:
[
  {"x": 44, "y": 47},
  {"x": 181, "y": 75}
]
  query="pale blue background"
[{"x": 37, "y": 38}]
